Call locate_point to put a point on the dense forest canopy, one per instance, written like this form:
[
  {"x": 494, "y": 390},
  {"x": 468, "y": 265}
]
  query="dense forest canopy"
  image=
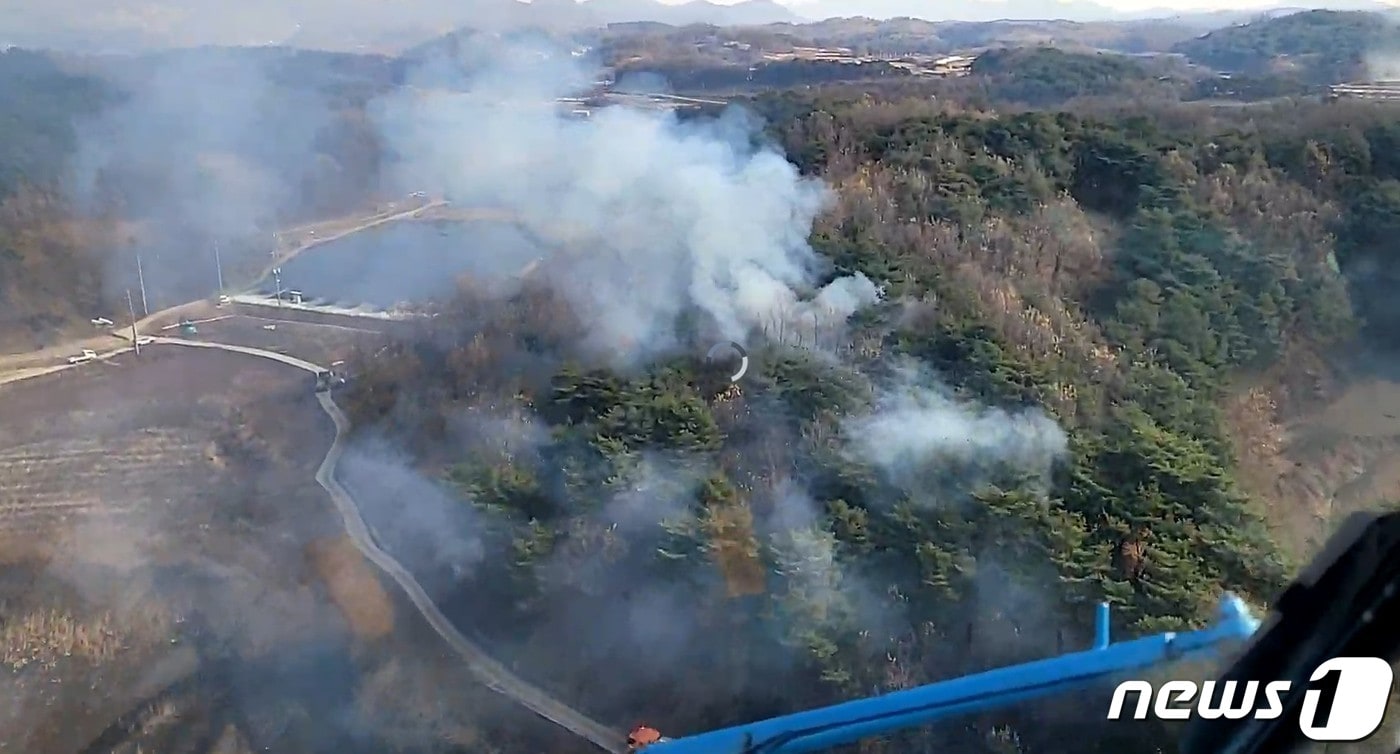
[{"x": 1044, "y": 76}]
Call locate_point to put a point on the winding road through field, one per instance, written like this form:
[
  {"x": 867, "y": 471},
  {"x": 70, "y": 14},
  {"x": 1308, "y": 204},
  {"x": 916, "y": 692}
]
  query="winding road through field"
[
  {"x": 492, "y": 673},
  {"x": 487, "y": 669}
]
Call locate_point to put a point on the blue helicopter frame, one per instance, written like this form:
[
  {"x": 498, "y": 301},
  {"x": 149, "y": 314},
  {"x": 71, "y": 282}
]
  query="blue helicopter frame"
[{"x": 827, "y": 727}]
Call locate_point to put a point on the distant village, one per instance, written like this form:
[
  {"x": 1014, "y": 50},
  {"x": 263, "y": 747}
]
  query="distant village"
[
  {"x": 739, "y": 53},
  {"x": 1388, "y": 90},
  {"x": 917, "y": 64}
]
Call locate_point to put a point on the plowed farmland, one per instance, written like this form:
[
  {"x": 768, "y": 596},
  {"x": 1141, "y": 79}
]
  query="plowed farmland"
[{"x": 149, "y": 452}]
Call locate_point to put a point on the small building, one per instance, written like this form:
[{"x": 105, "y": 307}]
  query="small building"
[{"x": 295, "y": 297}]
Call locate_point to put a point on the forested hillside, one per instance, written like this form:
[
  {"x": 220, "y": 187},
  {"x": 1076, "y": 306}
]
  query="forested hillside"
[
  {"x": 102, "y": 159},
  {"x": 895, "y": 36},
  {"x": 1048, "y": 76},
  {"x": 1319, "y": 47},
  {"x": 811, "y": 533},
  {"x": 50, "y": 273}
]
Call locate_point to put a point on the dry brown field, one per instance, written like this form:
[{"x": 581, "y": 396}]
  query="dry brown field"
[
  {"x": 137, "y": 495},
  {"x": 174, "y": 581}
]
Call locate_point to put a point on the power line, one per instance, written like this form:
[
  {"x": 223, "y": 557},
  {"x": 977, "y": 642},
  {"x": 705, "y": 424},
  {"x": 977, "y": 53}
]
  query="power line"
[
  {"x": 219, "y": 265},
  {"x": 141, "y": 278},
  {"x": 135, "y": 338}
]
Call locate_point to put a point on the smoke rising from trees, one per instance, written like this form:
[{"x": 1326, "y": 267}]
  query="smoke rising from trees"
[
  {"x": 653, "y": 218},
  {"x": 665, "y": 235}
]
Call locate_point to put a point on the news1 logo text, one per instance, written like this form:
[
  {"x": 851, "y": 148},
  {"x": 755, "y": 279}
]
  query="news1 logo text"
[{"x": 1345, "y": 699}]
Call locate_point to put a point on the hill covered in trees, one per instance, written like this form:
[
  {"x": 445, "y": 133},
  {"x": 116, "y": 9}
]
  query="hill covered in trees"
[
  {"x": 104, "y": 158},
  {"x": 1036, "y": 63},
  {"x": 1047, "y": 76},
  {"x": 895, "y": 37},
  {"x": 1056, "y": 402},
  {"x": 50, "y": 273},
  {"x": 1320, "y": 46}
]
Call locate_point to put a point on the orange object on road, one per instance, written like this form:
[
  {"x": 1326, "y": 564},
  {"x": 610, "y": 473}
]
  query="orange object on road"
[{"x": 641, "y": 737}]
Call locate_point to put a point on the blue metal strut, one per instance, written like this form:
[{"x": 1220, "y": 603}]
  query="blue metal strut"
[{"x": 828, "y": 727}]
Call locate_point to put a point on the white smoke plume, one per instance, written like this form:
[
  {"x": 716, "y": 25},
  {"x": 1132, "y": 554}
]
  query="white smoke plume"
[
  {"x": 192, "y": 141},
  {"x": 656, "y": 491},
  {"x": 650, "y": 217},
  {"x": 807, "y": 556},
  {"x": 201, "y": 146},
  {"x": 1383, "y": 65},
  {"x": 916, "y": 426},
  {"x": 425, "y": 526}
]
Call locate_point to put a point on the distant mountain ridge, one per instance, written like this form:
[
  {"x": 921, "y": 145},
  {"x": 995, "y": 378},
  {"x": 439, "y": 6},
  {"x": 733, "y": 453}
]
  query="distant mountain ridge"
[
  {"x": 359, "y": 26},
  {"x": 746, "y": 13},
  {"x": 1318, "y": 47},
  {"x": 128, "y": 25},
  {"x": 1071, "y": 10}
]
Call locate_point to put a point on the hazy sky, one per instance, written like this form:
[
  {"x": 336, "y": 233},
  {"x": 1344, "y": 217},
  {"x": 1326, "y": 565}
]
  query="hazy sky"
[
  {"x": 1123, "y": 5},
  {"x": 45, "y": 22},
  {"x": 128, "y": 9}
]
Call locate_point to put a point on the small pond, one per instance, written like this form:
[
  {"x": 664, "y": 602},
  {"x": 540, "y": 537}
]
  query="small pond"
[{"x": 407, "y": 261}]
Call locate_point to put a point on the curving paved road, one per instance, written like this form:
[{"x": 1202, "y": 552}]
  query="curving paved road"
[{"x": 493, "y": 674}]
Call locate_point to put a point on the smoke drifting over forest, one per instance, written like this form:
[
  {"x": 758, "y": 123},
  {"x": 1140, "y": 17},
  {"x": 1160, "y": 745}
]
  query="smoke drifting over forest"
[
  {"x": 675, "y": 217},
  {"x": 653, "y": 219},
  {"x": 1383, "y": 65},
  {"x": 918, "y": 430},
  {"x": 202, "y": 147},
  {"x": 665, "y": 236}
]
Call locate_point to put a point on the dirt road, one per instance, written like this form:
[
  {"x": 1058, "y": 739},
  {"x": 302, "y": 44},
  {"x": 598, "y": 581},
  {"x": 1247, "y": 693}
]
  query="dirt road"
[
  {"x": 29, "y": 373},
  {"x": 492, "y": 673}
]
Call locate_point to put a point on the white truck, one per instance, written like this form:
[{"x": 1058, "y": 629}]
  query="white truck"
[{"x": 85, "y": 356}]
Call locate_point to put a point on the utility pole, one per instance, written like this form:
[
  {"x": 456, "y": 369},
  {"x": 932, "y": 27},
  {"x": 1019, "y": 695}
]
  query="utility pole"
[
  {"x": 135, "y": 338},
  {"x": 218, "y": 265},
  {"x": 141, "y": 278},
  {"x": 277, "y": 276}
]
